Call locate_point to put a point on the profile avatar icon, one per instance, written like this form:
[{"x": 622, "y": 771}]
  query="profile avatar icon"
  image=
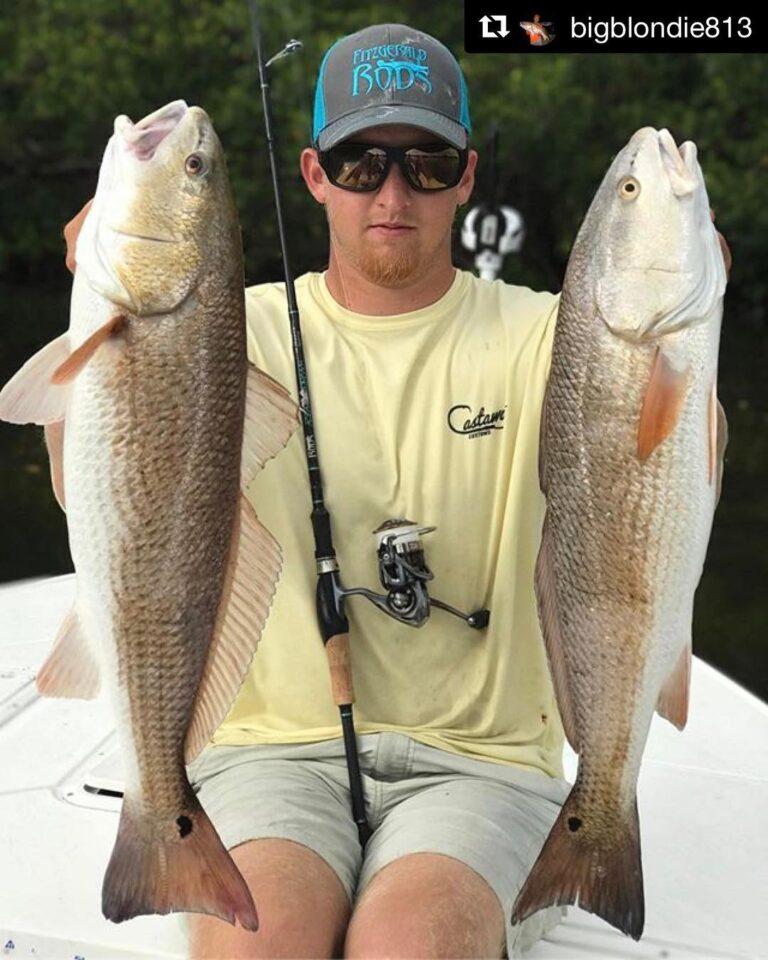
[{"x": 538, "y": 33}]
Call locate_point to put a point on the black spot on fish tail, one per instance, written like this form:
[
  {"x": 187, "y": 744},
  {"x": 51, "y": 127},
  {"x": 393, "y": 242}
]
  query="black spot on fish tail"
[
  {"x": 185, "y": 826},
  {"x": 574, "y": 824}
]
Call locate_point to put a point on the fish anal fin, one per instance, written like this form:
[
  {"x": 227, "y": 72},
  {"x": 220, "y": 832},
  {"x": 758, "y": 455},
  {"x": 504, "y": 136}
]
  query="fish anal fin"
[
  {"x": 54, "y": 440},
  {"x": 75, "y": 362},
  {"x": 252, "y": 574},
  {"x": 549, "y": 617},
  {"x": 179, "y": 864},
  {"x": 673, "y": 699},
  {"x": 718, "y": 440},
  {"x": 271, "y": 416},
  {"x": 29, "y": 396},
  {"x": 662, "y": 404},
  {"x": 71, "y": 668},
  {"x": 604, "y": 879}
]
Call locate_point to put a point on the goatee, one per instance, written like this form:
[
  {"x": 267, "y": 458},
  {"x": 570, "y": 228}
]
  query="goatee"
[{"x": 388, "y": 269}]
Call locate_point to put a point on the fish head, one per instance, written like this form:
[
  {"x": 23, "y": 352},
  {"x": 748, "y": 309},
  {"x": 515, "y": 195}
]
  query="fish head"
[
  {"x": 648, "y": 242},
  {"x": 163, "y": 213}
]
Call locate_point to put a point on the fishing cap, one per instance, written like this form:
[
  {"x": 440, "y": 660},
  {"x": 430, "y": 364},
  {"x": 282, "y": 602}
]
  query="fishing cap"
[{"x": 390, "y": 73}]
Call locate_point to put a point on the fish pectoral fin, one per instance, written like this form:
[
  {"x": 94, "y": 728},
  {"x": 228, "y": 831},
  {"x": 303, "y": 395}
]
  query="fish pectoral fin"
[
  {"x": 71, "y": 668},
  {"x": 549, "y": 617},
  {"x": 29, "y": 396},
  {"x": 662, "y": 404},
  {"x": 252, "y": 574},
  {"x": 76, "y": 360},
  {"x": 718, "y": 441},
  {"x": 673, "y": 699},
  {"x": 271, "y": 416}
]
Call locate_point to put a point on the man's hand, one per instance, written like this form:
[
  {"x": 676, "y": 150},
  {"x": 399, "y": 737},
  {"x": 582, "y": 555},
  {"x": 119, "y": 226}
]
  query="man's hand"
[
  {"x": 71, "y": 231},
  {"x": 727, "y": 258}
]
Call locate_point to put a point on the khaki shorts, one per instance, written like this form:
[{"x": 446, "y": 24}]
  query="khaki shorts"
[{"x": 491, "y": 816}]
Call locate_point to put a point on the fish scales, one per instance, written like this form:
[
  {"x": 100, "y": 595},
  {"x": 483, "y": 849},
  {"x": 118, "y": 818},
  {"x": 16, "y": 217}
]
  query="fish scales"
[
  {"x": 626, "y": 528},
  {"x": 174, "y": 419}
]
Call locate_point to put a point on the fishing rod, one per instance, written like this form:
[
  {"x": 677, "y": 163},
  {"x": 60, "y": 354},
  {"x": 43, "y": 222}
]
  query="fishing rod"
[
  {"x": 403, "y": 570},
  {"x": 333, "y": 623}
]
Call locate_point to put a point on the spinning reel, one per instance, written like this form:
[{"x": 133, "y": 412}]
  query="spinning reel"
[{"x": 404, "y": 574}]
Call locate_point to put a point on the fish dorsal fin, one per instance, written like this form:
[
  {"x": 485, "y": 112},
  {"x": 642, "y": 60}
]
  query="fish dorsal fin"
[
  {"x": 252, "y": 573},
  {"x": 75, "y": 362},
  {"x": 662, "y": 404},
  {"x": 673, "y": 699},
  {"x": 718, "y": 441},
  {"x": 71, "y": 668},
  {"x": 270, "y": 419},
  {"x": 29, "y": 396},
  {"x": 549, "y": 616}
]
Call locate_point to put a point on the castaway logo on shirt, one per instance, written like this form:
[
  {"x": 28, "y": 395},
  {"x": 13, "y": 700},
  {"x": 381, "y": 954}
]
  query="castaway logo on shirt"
[
  {"x": 395, "y": 65},
  {"x": 462, "y": 420}
]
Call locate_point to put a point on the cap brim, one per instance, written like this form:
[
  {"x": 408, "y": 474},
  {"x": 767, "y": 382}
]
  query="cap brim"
[{"x": 381, "y": 115}]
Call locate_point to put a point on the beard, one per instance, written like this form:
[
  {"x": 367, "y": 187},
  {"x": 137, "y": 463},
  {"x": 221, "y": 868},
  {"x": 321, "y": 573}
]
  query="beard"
[{"x": 386, "y": 266}]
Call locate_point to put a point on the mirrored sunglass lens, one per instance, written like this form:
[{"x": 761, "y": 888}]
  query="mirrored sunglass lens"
[
  {"x": 357, "y": 169},
  {"x": 433, "y": 170}
]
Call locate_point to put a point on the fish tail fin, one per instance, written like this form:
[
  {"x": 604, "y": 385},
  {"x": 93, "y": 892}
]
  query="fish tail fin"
[
  {"x": 605, "y": 879},
  {"x": 180, "y": 865}
]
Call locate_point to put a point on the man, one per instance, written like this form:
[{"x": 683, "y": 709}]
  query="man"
[{"x": 427, "y": 389}]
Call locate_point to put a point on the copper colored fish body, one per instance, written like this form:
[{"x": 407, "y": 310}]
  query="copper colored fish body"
[
  {"x": 631, "y": 440},
  {"x": 164, "y": 423}
]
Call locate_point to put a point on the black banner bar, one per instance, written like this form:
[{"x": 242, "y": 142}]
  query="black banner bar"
[{"x": 494, "y": 26}]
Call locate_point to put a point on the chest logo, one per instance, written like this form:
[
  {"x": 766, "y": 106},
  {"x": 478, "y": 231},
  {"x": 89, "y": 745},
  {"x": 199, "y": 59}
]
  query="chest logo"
[{"x": 462, "y": 421}]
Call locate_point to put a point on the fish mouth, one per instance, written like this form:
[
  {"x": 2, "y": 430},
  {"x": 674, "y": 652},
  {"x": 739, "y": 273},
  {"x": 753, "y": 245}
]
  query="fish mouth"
[
  {"x": 143, "y": 138},
  {"x": 680, "y": 165}
]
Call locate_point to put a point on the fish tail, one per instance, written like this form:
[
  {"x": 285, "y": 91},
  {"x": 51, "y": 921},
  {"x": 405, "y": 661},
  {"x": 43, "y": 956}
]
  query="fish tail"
[
  {"x": 177, "y": 865},
  {"x": 606, "y": 879}
]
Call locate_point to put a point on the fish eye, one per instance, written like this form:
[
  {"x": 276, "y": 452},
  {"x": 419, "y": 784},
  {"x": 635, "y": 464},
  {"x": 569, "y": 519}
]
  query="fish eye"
[
  {"x": 629, "y": 188},
  {"x": 194, "y": 164}
]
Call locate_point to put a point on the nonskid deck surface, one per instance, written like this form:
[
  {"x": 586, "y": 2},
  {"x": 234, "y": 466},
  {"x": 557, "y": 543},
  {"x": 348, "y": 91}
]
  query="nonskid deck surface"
[{"x": 703, "y": 800}]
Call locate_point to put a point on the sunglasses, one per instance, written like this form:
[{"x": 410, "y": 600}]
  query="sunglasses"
[{"x": 363, "y": 167}]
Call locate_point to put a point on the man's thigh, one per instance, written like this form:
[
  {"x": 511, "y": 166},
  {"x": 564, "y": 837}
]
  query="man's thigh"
[
  {"x": 426, "y": 905},
  {"x": 286, "y": 821},
  {"x": 281, "y": 793},
  {"x": 491, "y": 826},
  {"x": 302, "y": 905}
]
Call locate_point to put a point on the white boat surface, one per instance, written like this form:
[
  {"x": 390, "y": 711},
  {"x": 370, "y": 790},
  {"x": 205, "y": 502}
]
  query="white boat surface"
[{"x": 703, "y": 801}]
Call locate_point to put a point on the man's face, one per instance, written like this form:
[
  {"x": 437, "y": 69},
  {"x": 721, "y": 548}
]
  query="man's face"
[{"x": 395, "y": 234}]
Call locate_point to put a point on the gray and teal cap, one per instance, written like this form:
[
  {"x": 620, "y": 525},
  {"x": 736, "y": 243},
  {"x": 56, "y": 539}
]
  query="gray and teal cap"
[{"x": 390, "y": 73}]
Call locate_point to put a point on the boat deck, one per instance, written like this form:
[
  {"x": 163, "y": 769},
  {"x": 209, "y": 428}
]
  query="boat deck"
[{"x": 703, "y": 801}]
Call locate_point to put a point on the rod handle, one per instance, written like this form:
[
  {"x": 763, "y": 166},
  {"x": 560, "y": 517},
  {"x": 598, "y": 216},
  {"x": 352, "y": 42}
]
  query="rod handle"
[{"x": 337, "y": 651}]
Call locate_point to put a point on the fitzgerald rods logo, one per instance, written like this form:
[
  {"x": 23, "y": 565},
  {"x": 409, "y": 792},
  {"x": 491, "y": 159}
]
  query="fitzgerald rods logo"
[
  {"x": 461, "y": 421},
  {"x": 385, "y": 66}
]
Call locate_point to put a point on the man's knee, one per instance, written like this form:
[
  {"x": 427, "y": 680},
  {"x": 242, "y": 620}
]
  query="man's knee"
[
  {"x": 302, "y": 906},
  {"x": 427, "y": 905}
]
